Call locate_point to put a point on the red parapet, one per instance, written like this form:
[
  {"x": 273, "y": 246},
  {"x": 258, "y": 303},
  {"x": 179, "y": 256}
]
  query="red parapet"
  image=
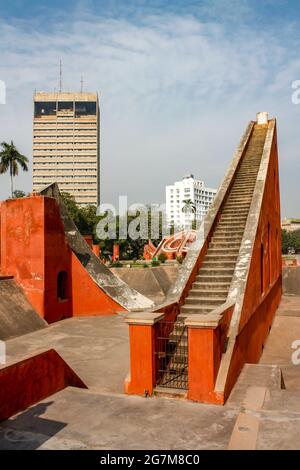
[{"x": 29, "y": 381}]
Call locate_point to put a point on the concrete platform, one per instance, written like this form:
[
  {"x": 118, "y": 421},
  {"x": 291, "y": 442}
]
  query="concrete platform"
[
  {"x": 258, "y": 415},
  {"x": 153, "y": 283},
  {"x": 74, "y": 420},
  {"x": 96, "y": 348},
  {"x": 278, "y": 349},
  {"x": 103, "y": 417}
]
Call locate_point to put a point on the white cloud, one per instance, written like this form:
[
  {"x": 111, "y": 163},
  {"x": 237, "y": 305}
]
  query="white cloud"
[{"x": 176, "y": 94}]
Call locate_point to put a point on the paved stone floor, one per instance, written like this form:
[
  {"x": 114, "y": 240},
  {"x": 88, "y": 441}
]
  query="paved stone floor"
[
  {"x": 77, "y": 419},
  {"x": 96, "y": 348},
  {"x": 278, "y": 348},
  {"x": 258, "y": 414}
]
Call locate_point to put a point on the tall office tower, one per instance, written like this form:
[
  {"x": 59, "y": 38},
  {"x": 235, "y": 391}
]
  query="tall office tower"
[
  {"x": 66, "y": 144},
  {"x": 187, "y": 189}
]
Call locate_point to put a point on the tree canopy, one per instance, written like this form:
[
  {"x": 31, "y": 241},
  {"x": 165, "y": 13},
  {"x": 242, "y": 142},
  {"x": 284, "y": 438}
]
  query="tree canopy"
[
  {"x": 86, "y": 221},
  {"x": 10, "y": 160},
  {"x": 290, "y": 240}
]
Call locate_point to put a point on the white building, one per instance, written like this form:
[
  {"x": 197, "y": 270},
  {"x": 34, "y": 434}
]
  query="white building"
[{"x": 187, "y": 188}]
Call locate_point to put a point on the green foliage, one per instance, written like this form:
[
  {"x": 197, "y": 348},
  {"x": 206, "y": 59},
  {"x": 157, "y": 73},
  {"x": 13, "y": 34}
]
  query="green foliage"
[
  {"x": 162, "y": 257},
  {"x": 179, "y": 259},
  {"x": 116, "y": 264},
  {"x": 11, "y": 160},
  {"x": 72, "y": 208},
  {"x": 89, "y": 220},
  {"x": 18, "y": 194},
  {"x": 85, "y": 218},
  {"x": 146, "y": 265},
  {"x": 290, "y": 240},
  {"x": 155, "y": 263},
  {"x": 86, "y": 221},
  {"x": 189, "y": 206}
]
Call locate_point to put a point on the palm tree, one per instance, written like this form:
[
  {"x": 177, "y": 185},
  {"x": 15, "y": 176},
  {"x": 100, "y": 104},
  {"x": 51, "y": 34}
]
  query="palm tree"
[
  {"x": 189, "y": 207},
  {"x": 11, "y": 159}
]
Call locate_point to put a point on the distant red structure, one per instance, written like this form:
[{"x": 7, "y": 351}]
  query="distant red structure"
[
  {"x": 171, "y": 245},
  {"x": 116, "y": 252}
]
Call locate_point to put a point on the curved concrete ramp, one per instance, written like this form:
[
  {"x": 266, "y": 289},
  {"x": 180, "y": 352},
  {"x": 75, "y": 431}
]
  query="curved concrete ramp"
[
  {"x": 17, "y": 317},
  {"x": 112, "y": 285},
  {"x": 154, "y": 283}
]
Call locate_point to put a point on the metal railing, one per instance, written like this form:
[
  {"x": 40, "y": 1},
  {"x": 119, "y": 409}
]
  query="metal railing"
[{"x": 172, "y": 355}]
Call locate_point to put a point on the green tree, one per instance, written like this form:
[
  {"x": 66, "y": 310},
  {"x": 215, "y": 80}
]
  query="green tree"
[
  {"x": 85, "y": 218},
  {"x": 162, "y": 257},
  {"x": 295, "y": 240},
  {"x": 10, "y": 160},
  {"x": 86, "y": 221},
  {"x": 285, "y": 240},
  {"x": 72, "y": 207},
  {"x": 18, "y": 194},
  {"x": 189, "y": 207},
  {"x": 290, "y": 240}
]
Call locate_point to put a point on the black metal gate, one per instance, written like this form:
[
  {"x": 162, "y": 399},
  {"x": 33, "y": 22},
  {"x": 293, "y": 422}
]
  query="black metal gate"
[{"x": 172, "y": 355}]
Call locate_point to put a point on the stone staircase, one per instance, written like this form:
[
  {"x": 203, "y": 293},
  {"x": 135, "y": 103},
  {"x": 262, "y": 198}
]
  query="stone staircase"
[{"x": 213, "y": 280}]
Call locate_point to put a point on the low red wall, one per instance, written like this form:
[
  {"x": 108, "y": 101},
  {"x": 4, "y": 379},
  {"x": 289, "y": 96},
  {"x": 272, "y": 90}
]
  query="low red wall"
[{"x": 27, "y": 382}]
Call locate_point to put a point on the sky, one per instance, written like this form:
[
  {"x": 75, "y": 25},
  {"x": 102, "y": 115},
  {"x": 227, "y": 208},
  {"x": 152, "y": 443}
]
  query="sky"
[{"x": 178, "y": 82}]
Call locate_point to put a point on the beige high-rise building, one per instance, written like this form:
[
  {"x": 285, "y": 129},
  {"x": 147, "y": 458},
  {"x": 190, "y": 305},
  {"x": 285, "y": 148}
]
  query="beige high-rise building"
[{"x": 66, "y": 146}]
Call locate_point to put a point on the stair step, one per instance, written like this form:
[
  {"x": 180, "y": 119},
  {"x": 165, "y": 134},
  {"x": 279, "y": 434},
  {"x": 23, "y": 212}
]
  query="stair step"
[
  {"x": 237, "y": 204},
  {"x": 212, "y": 278},
  {"x": 220, "y": 257},
  {"x": 237, "y": 234},
  {"x": 241, "y": 213},
  {"x": 247, "y": 175},
  {"x": 225, "y": 245},
  {"x": 215, "y": 293},
  {"x": 246, "y": 178},
  {"x": 231, "y": 223},
  {"x": 239, "y": 199},
  {"x": 221, "y": 251},
  {"x": 242, "y": 188},
  {"x": 211, "y": 286},
  {"x": 216, "y": 271},
  {"x": 205, "y": 300},
  {"x": 203, "y": 309},
  {"x": 230, "y": 227},
  {"x": 228, "y": 235},
  {"x": 229, "y": 232},
  {"x": 215, "y": 263},
  {"x": 168, "y": 392},
  {"x": 234, "y": 216}
]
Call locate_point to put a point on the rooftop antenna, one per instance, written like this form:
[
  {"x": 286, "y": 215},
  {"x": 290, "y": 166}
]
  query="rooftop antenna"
[
  {"x": 60, "y": 76},
  {"x": 81, "y": 84}
]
